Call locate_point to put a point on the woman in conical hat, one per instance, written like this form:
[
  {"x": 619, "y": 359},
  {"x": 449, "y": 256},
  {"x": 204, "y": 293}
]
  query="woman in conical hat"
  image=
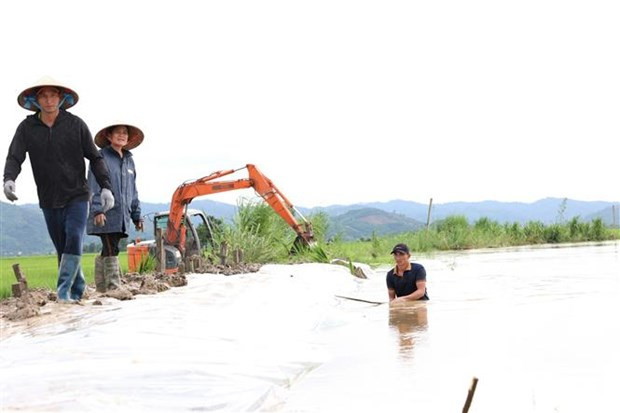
[
  {"x": 116, "y": 141},
  {"x": 57, "y": 142}
]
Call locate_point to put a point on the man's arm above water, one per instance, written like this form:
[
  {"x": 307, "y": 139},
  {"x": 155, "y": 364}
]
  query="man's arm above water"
[{"x": 416, "y": 295}]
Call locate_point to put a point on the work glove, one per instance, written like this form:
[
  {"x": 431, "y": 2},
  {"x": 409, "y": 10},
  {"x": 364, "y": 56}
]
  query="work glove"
[
  {"x": 107, "y": 200},
  {"x": 9, "y": 190}
]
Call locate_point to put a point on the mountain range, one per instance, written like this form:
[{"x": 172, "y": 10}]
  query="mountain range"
[{"x": 22, "y": 228}]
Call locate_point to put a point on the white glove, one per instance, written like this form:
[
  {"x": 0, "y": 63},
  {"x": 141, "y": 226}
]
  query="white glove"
[
  {"x": 107, "y": 200},
  {"x": 9, "y": 190}
]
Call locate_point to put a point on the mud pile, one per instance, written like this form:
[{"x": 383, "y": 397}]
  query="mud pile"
[
  {"x": 229, "y": 269},
  {"x": 26, "y": 306},
  {"x": 136, "y": 284},
  {"x": 132, "y": 284}
]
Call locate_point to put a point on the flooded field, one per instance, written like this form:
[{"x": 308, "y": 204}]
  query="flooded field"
[{"x": 538, "y": 326}]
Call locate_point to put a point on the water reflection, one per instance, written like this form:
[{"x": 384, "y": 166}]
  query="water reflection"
[{"x": 409, "y": 320}]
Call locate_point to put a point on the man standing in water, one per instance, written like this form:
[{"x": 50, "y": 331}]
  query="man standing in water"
[
  {"x": 57, "y": 143},
  {"x": 406, "y": 281}
]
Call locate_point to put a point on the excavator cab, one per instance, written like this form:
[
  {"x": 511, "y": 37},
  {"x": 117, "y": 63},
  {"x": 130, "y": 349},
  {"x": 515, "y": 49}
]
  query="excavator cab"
[
  {"x": 193, "y": 245},
  {"x": 192, "y": 221}
]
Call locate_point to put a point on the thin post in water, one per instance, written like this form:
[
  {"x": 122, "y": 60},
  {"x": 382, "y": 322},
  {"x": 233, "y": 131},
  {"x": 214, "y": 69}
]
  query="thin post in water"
[
  {"x": 470, "y": 394},
  {"x": 428, "y": 216}
]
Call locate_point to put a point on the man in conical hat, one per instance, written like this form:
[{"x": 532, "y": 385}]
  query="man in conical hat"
[{"x": 57, "y": 142}]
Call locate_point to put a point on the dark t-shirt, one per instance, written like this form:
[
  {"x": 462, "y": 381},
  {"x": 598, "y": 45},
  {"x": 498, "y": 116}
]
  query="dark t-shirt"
[{"x": 406, "y": 284}]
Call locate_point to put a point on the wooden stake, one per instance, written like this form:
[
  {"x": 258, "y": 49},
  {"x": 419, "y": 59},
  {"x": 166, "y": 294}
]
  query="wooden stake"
[
  {"x": 19, "y": 275},
  {"x": 17, "y": 289},
  {"x": 238, "y": 256},
  {"x": 161, "y": 252},
  {"x": 21, "y": 287},
  {"x": 223, "y": 252},
  {"x": 470, "y": 394}
]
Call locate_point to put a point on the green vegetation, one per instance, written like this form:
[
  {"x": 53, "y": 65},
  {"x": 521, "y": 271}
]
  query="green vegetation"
[
  {"x": 264, "y": 237},
  {"x": 456, "y": 233},
  {"x": 147, "y": 264}
]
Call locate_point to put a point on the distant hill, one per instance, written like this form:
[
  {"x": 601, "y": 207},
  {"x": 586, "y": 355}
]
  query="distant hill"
[
  {"x": 22, "y": 227},
  {"x": 361, "y": 223},
  {"x": 23, "y": 230},
  {"x": 610, "y": 216},
  {"x": 545, "y": 210}
]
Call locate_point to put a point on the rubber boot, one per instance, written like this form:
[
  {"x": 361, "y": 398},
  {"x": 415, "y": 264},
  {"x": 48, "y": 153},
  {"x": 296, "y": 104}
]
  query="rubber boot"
[
  {"x": 101, "y": 283},
  {"x": 79, "y": 285},
  {"x": 69, "y": 267},
  {"x": 112, "y": 271}
]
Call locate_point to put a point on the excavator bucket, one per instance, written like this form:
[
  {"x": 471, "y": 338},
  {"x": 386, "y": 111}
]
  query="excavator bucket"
[{"x": 301, "y": 244}]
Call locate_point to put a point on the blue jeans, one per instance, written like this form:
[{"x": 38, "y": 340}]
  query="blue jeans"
[{"x": 66, "y": 227}]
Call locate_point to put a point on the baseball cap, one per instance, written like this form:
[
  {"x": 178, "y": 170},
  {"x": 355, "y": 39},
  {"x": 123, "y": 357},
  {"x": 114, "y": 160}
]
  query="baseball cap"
[{"x": 400, "y": 248}]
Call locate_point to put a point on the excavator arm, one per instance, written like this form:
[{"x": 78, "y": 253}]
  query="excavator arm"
[{"x": 185, "y": 193}]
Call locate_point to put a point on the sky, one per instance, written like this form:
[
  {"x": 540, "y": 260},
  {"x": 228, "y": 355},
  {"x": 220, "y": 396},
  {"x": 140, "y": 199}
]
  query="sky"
[{"x": 338, "y": 102}]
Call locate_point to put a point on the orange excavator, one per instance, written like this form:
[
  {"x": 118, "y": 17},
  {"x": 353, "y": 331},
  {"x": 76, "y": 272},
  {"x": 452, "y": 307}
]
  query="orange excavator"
[{"x": 180, "y": 223}]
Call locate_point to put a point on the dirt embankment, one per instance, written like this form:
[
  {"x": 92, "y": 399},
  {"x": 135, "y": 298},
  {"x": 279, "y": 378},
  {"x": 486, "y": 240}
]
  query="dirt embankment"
[{"x": 133, "y": 284}]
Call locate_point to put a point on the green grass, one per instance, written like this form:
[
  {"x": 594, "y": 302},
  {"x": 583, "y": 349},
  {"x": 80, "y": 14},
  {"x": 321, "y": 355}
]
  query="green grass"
[{"x": 42, "y": 270}]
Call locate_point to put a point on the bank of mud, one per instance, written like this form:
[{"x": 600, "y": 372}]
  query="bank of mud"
[{"x": 40, "y": 302}]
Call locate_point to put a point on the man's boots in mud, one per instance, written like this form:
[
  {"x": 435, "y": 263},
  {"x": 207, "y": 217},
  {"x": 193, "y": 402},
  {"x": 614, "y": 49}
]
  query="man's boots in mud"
[{"x": 67, "y": 272}]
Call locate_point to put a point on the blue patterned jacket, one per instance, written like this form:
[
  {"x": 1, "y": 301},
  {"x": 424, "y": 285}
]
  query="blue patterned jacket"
[{"x": 126, "y": 203}]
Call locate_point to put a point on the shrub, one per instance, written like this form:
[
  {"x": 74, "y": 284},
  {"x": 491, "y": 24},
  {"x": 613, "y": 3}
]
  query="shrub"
[
  {"x": 454, "y": 232},
  {"x": 597, "y": 231},
  {"x": 534, "y": 232},
  {"x": 554, "y": 234},
  {"x": 264, "y": 236}
]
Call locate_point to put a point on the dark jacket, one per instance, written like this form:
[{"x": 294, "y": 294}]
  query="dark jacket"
[
  {"x": 57, "y": 158},
  {"x": 126, "y": 203}
]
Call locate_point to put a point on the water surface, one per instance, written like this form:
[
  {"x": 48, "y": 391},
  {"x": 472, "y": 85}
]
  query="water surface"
[{"x": 537, "y": 326}]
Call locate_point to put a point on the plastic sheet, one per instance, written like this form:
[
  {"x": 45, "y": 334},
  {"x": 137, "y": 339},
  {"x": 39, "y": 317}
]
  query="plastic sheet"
[{"x": 536, "y": 325}]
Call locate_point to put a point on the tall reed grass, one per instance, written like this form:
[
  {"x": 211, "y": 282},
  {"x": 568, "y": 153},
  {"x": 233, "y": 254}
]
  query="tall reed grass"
[
  {"x": 265, "y": 237},
  {"x": 456, "y": 233}
]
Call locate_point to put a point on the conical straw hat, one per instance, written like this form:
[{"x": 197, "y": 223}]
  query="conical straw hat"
[
  {"x": 136, "y": 136},
  {"x": 28, "y": 97}
]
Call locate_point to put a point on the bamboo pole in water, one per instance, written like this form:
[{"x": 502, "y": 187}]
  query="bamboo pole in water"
[
  {"x": 470, "y": 394},
  {"x": 361, "y": 300}
]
